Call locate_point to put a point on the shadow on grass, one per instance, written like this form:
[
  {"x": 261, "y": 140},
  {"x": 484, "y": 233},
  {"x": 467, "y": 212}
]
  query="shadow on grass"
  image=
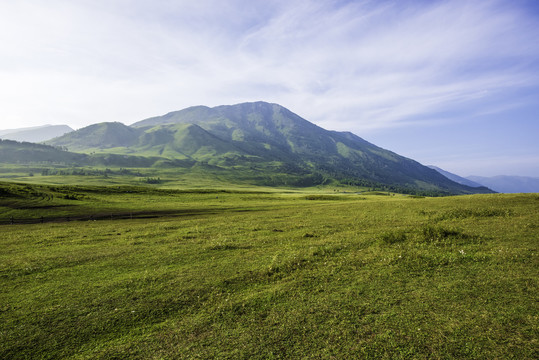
[{"x": 124, "y": 215}]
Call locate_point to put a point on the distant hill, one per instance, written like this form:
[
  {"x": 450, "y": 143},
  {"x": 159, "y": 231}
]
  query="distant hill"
[
  {"x": 261, "y": 138},
  {"x": 14, "y": 152},
  {"x": 455, "y": 178},
  {"x": 102, "y": 135},
  {"x": 509, "y": 184},
  {"x": 35, "y": 134}
]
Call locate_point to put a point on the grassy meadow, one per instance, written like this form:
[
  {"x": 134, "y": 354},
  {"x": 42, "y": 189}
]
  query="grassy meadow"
[{"x": 247, "y": 273}]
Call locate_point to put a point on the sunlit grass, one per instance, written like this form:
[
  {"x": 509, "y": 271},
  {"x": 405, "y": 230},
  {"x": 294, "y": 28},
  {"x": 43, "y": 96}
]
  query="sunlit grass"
[{"x": 272, "y": 275}]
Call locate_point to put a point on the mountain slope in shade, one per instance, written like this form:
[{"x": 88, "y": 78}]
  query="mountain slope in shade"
[
  {"x": 35, "y": 134},
  {"x": 509, "y": 184},
  {"x": 262, "y": 135},
  {"x": 455, "y": 178},
  {"x": 14, "y": 152}
]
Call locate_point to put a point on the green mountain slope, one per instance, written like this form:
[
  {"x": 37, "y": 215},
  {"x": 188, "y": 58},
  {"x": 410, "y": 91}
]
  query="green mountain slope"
[
  {"x": 102, "y": 135},
  {"x": 259, "y": 128},
  {"x": 13, "y": 152},
  {"x": 272, "y": 132},
  {"x": 262, "y": 137},
  {"x": 184, "y": 141}
]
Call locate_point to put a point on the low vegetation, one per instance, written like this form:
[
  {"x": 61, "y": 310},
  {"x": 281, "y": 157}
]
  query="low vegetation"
[
  {"x": 244, "y": 273},
  {"x": 257, "y": 144}
]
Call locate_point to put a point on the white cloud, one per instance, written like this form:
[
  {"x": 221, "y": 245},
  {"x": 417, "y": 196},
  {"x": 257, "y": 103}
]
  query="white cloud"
[{"x": 356, "y": 66}]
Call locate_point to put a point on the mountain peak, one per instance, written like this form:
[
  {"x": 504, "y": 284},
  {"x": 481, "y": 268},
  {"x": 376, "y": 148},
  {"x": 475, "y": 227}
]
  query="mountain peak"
[
  {"x": 100, "y": 135},
  {"x": 194, "y": 113},
  {"x": 261, "y": 135}
]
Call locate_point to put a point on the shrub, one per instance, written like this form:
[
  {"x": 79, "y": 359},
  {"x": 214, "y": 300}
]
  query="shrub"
[
  {"x": 437, "y": 234},
  {"x": 475, "y": 213},
  {"x": 392, "y": 237}
]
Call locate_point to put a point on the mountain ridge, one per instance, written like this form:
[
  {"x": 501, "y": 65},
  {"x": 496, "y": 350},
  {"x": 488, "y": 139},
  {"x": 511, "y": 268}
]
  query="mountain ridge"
[
  {"x": 508, "y": 184},
  {"x": 263, "y": 135},
  {"x": 35, "y": 133},
  {"x": 455, "y": 177},
  {"x": 100, "y": 135}
]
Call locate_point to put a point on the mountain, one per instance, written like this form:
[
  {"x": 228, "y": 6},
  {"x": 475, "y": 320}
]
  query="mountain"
[
  {"x": 266, "y": 141},
  {"x": 35, "y": 134},
  {"x": 102, "y": 135},
  {"x": 455, "y": 178},
  {"x": 509, "y": 184}
]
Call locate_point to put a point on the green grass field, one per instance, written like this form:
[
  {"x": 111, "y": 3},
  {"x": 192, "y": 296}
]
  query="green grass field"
[{"x": 145, "y": 273}]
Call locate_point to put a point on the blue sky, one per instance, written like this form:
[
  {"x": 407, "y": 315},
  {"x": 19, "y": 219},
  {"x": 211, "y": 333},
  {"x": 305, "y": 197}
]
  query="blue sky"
[{"x": 453, "y": 83}]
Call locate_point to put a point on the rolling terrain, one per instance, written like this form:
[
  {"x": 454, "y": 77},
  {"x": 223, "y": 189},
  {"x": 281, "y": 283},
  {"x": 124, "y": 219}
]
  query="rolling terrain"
[
  {"x": 246, "y": 232},
  {"x": 104, "y": 272},
  {"x": 262, "y": 138}
]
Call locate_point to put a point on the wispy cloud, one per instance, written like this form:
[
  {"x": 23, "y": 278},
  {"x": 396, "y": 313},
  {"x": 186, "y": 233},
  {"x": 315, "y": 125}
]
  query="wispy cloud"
[{"x": 356, "y": 65}]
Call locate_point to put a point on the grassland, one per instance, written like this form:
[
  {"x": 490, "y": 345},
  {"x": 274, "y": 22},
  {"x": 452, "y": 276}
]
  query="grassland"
[{"x": 261, "y": 274}]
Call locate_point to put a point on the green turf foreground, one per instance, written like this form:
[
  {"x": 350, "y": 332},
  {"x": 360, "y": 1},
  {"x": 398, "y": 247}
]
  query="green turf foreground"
[{"x": 269, "y": 276}]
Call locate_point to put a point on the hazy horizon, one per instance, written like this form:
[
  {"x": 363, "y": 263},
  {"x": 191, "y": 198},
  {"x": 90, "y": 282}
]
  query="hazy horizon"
[{"x": 448, "y": 83}]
